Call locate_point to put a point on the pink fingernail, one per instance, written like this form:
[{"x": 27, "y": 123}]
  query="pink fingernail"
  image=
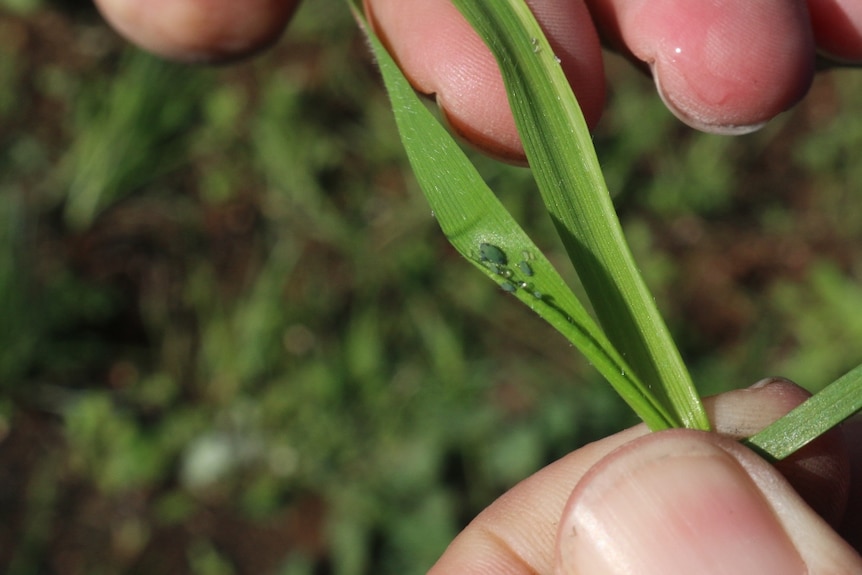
[
  {"x": 698, "y": 119},
  {"x": 675, "y": 504}
]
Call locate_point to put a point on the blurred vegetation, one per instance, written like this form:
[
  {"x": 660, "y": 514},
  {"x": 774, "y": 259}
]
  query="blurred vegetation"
[{"x": 234, "y": 341}]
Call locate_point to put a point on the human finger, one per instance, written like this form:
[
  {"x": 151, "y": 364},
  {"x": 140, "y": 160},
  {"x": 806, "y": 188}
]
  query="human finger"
[
  {"x": 851, "y": 527},
  {"x": 724, "y": 67},
  {"x": 199, "y": 30},
  {"x": 442, "y": 56},
  {"x": 516, "y": 534},
  {"x": 685, "y": 501},
  {"x": 837, "y": 26}
]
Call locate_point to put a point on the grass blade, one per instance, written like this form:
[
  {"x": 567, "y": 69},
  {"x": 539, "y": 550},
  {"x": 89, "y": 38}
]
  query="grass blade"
[
  {"x": 821, "y": 412},
  {"x": 562, "y": 157},
  {"x": 483, "y": 231}
]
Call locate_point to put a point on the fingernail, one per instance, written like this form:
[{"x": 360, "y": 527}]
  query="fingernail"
[
  {"x": 672, "y": 503},
  {"x": 768, "y": 381},
  {"x": 691, "y": 114}
]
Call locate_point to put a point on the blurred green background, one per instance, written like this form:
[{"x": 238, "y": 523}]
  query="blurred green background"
[{"x": 233, "y": 340}]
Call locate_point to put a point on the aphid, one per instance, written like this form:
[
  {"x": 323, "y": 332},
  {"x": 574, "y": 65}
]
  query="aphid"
[
  {"x": 508, "y": 286},
  {"x": 526, "y": 269},
  {"x": 493, "y": 254}
]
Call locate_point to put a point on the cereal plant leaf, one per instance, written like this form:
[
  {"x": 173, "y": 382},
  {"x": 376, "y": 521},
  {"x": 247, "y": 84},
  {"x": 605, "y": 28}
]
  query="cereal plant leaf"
[
  {"x": 484, "y": 232},
  {"x": 562, "y": 157},
  {"x": 817, "y": 415}
]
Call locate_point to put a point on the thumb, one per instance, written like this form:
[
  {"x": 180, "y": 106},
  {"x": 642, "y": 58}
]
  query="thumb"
[{"x": 691, "y": 502}]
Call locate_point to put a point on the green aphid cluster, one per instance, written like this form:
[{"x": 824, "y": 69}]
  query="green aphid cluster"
[{"x": 496, "y": 260}]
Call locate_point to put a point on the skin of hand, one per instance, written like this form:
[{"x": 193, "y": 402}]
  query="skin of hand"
[
  {"x": 636, "y": 502},
  {"x": 675, "y": 501},
  {"x": 724, "y": 66},
  {"x": 199, "y": 30}
]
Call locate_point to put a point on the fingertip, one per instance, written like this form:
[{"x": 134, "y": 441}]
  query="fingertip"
[
  {"x": 837, "y": 26},
  {"x": 672, "y": 502},
  {"x": 442, "y": 56},
  {"x": 722, "y": 67},
  {"x": 689, "y": 501},
  {"x": 851, "y": 527},
  {"x": 819, "y": 472},
  {"x": 199, "y": 30},
  {"x": 692, "y": 111}
]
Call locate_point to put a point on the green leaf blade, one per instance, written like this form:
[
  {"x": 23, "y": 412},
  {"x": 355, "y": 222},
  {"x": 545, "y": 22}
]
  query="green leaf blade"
[
  {"x": 817, "y": 415},
  {"x": 472, "y": 217},
  {"x": 560, "y": 152}
]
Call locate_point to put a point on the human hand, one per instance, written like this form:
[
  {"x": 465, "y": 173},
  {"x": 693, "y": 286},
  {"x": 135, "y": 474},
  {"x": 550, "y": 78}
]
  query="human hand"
[
  {"x": 670, "y": 493},
  {"x": 724, "y": 67},
  {"x": 676, "y": 501}
]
